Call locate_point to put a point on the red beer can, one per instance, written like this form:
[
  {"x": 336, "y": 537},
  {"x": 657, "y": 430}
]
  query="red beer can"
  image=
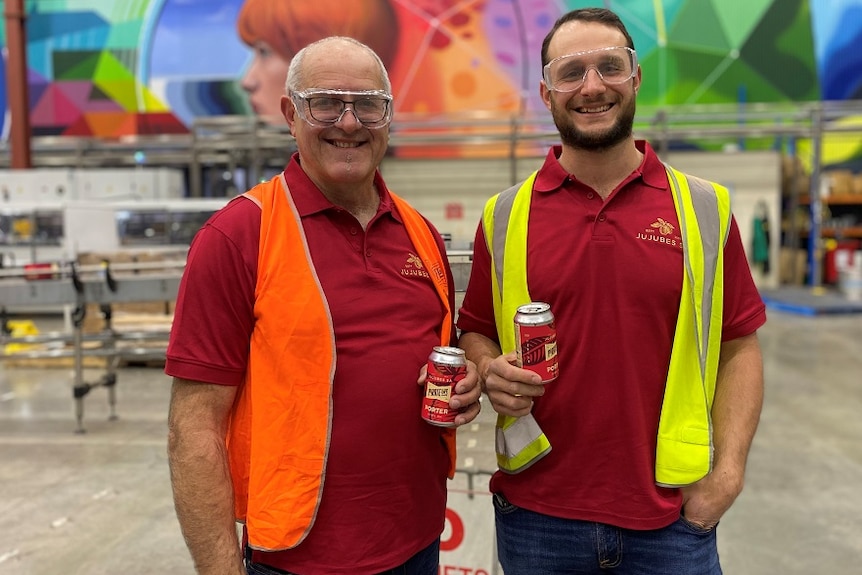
[
  {"x": 446, "y": 367},
  {"x": 536, "y": 340}
]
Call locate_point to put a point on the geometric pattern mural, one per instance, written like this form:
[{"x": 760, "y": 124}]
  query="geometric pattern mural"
[
  {"x": 715, "y": 51},
  {"x": 82, "y": 77},
  {"x": 110, "y": 68}
]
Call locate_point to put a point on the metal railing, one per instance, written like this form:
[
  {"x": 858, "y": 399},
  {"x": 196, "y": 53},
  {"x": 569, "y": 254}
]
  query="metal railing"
[
  {"x": 243, "y": 140},
  {"x": 246, "y": 143},
  {"x": 226, "y": 139}
]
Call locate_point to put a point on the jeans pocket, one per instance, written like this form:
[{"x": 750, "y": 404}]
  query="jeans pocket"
[
  {"x": 700, "y": 530},
  {"x": 502, "y": 505}
]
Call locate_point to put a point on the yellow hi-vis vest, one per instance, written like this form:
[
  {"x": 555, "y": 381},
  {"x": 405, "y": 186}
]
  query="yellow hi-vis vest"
[
  {"x": 287, "y": 392},
  {"x": 684, "y": 443}
]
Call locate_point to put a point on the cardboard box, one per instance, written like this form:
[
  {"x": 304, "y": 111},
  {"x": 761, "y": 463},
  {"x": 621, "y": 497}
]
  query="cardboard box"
[{"x": 840, "y": 182}]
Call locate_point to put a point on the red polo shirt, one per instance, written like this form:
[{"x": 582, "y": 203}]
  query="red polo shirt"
[
  {"x": 384, "y": 494},
  {"x": 612, "y": 272}
]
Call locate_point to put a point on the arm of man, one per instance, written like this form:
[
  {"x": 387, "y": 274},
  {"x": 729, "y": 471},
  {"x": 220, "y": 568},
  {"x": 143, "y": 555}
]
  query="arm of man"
[
  {"x": 735, "y": 415},
  {"x": 510, "y": 389},
  {"x": 200, "y": 477}
]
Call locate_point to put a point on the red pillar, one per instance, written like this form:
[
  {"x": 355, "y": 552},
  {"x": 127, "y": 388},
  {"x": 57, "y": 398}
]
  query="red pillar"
[{"x": 16, "y": 82}]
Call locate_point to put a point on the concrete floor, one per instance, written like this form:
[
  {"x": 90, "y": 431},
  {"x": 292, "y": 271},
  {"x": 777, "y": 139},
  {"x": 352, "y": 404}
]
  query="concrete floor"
[{"x": 100, "y": 502}]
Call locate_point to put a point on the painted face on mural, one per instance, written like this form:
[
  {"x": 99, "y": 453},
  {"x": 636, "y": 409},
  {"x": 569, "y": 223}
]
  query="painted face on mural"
[
  {"x": 264, "y": 82},
  {"x": 598, "y": 115},
  {"x": 345, "y": 154}
]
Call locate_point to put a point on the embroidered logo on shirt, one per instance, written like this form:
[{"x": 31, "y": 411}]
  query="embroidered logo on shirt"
[
  {"x": 414, "y": 267},
  {"x": 664, "y": 228},
  {"x": 665, "y": 233}
]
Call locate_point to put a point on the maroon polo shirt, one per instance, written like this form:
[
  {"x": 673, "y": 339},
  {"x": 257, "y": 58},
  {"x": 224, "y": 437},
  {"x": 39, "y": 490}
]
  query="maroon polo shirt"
[
  {"x": 384, "y": 493},
  {"x": 612, "y": 272}
]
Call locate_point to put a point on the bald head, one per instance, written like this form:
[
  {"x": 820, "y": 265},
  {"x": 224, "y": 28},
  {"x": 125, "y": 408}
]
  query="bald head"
[{"x": 331, "y": 50}]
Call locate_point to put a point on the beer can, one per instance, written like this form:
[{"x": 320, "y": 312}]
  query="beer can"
[
  {"x": 536, "y": 340},
  {"x": 446, "y": 367}
]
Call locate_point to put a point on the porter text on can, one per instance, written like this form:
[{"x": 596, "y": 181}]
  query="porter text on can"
[{"x": 446, "y": 367}]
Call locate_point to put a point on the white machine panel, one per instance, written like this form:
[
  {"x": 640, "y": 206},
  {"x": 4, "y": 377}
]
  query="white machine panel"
[
  {"x": 36, "y": 186},
  {"x": 52, "y": 185}
]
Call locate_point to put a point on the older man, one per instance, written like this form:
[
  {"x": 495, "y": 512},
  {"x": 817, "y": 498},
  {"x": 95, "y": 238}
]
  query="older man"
[{"x": 308, "y": 307}]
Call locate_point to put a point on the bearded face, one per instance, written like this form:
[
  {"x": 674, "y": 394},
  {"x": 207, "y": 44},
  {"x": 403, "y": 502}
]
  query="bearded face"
[{"x": 593, "y": 139}]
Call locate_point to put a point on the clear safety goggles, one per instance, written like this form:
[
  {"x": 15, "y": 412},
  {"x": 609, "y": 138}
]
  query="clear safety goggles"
[
  {"x": 568, "y": 73},
  {"x": 322, "y": 108}
]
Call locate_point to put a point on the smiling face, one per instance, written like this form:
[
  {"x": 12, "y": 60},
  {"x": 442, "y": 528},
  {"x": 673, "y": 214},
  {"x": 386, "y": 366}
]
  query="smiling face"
[
  {"x": 597, "y": 116},
  {"x": 346, "y": 154}
]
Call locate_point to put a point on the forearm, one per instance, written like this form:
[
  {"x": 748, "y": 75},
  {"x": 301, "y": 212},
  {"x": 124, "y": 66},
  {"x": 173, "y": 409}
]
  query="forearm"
[
  {"x": 200, "y": 476},
  {"x": 203, "y": 497},
  {"x": 737, "y": 405},
  {"x": 481, "y": 351}
]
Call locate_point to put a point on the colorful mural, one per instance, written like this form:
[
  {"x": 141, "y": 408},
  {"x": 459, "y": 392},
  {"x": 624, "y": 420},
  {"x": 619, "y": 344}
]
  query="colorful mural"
[
  {"x": 82, "y": 78},
  {"x": 109, "y": 68}
]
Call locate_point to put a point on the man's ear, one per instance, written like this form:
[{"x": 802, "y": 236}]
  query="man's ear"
[
  {"x": 289, "y": 112},
  {"x": 545, "y": 94}
]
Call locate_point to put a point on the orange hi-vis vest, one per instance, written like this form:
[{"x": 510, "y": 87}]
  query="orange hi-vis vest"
[{"x": 279, "y": 431}]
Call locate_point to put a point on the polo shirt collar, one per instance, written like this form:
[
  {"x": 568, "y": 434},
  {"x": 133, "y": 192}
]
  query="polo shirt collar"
[
  {"x": 552, "y": 176},
  {"x": 310, "y": 200},
  {"x": 652, "y": 168}
]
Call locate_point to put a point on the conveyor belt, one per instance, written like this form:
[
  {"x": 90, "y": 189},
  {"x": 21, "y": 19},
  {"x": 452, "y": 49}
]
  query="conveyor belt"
[
  {"x": 68, "y": 284},
  {"x": 68, "y": 338}
]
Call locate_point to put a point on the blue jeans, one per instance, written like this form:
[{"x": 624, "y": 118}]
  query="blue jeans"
[
  {"x": 530, "y": 543},
  {"x": 426, "y": 562}
]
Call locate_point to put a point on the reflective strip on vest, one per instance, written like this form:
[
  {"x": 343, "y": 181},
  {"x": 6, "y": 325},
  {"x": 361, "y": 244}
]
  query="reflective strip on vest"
[
  {"x": 684, "y": 442},
  {"x": 517, "y": 439},
  {"x": 429, "y": 252},
  {"x": 684, "y": 450},
  {"x": 520, "y": 441},
  {"x": 509, "y": 282},
  {"x": 278, "y": 484}
]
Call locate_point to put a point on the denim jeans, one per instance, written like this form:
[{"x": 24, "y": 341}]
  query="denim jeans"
[
  {"x": 531, "y": 543},
  {"x": 425, "y": 562}
]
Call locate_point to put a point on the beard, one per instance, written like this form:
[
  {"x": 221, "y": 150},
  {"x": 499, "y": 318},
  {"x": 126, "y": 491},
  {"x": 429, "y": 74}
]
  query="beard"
[{"x": 599, "y": 141}]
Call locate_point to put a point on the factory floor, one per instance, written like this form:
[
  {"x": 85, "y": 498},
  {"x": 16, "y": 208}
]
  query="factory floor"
[{"x": 99, "y": 502}]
